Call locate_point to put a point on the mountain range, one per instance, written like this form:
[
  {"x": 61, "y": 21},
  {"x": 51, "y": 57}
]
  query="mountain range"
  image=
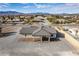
[
  {"x": 38, "y": 13},
  {"x": 10, "y": 13}
]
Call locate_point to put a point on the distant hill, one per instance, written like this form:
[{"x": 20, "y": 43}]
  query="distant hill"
[
  {"x": 19, "y": 13},
  {"x": 67, "y": 14},
  {"x": 38, "y": 13},
  {"x": 10, "y": 13}
]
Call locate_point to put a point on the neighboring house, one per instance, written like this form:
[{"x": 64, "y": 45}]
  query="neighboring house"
[
  {"x": 22, "y": 16},
  {"x": 9, "y": 20},
  {"x": 17, "y": 21},
  {"x": 40, "y": 17},
  {"x": 74, "y": 31},
  {"x": 61, "y": 20},
  {"x": 41, "y": 20},
  {"x": 1, "y": 20},
  {"x": 65, "y": 16},
  {"x": 38, "y": 20},
  {"x": 13, "y": 21}
]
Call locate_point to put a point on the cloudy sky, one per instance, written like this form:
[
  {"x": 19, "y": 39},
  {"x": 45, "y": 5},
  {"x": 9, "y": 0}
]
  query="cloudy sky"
[{"x": 40, "y": 7}]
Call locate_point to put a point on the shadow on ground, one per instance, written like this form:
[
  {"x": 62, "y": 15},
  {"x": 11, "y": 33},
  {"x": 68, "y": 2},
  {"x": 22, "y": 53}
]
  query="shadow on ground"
[
  {"x": 60, "y": 35},
  {"x": 51, "y": 39},
  {"x": 7, "y": 34}
]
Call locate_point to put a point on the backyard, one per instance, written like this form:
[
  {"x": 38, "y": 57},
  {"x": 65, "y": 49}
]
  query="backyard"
[{"x": 10, "y": 44}]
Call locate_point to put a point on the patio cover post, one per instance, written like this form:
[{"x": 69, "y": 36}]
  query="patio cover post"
[
  {"x": 25, "y": 35},
  {"x": 41, "y": 39},
  {"x": 33, "y": 39},
  {"x": 49, "y": 39}
]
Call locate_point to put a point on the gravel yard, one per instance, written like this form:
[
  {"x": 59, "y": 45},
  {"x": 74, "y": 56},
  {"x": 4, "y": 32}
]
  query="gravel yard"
[{"x": 11, "y": 46}]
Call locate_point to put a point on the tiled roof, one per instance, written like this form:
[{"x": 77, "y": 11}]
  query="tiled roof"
[
  {"x": 28, "y": 30},
  {"x": 37, "y": 31},
  {"x": 44, "y": 31}
]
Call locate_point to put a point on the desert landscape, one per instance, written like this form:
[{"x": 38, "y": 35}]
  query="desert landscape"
[{"x": 38, "y": 33}]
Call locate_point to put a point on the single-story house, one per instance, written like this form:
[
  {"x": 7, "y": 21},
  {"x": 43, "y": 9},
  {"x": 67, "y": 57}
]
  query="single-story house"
[
  {"x": 38, "y": 20},
  {"x": 40, "y": 31}
]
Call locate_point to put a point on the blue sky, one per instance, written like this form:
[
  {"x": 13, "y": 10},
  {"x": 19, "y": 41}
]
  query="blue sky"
[{"x": 41, "y": 7}]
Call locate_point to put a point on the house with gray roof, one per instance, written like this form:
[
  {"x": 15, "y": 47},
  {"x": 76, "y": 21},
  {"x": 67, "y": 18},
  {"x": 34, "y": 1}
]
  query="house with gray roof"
[
  {"x": 38, "y": 20},
  {"x": 41, "y": 31}
]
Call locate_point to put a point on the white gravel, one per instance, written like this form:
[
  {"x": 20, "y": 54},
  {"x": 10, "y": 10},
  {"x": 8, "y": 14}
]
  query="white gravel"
[{"x": 11, "y": 46}]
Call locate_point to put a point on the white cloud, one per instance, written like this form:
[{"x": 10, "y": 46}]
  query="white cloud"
[
  {"x": 26, "y": 11},
  {"x": 41, "y": 6},
  {"x": 12, "y": 9},
  {"x": 23, "y": 3},
  {"x": 2, "y": 5},
  {"x": 72, "y": 4},
  {"x": 27, "y": 7}
]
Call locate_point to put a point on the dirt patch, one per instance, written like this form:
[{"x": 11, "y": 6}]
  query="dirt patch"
[{"x": 29, "y": 39}]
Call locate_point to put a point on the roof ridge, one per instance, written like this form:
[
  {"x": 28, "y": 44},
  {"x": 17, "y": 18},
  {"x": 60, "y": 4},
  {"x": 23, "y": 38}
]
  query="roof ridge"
[
  {"x": 46, "y": 31},
  {"x": 37, "y": 30}
]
